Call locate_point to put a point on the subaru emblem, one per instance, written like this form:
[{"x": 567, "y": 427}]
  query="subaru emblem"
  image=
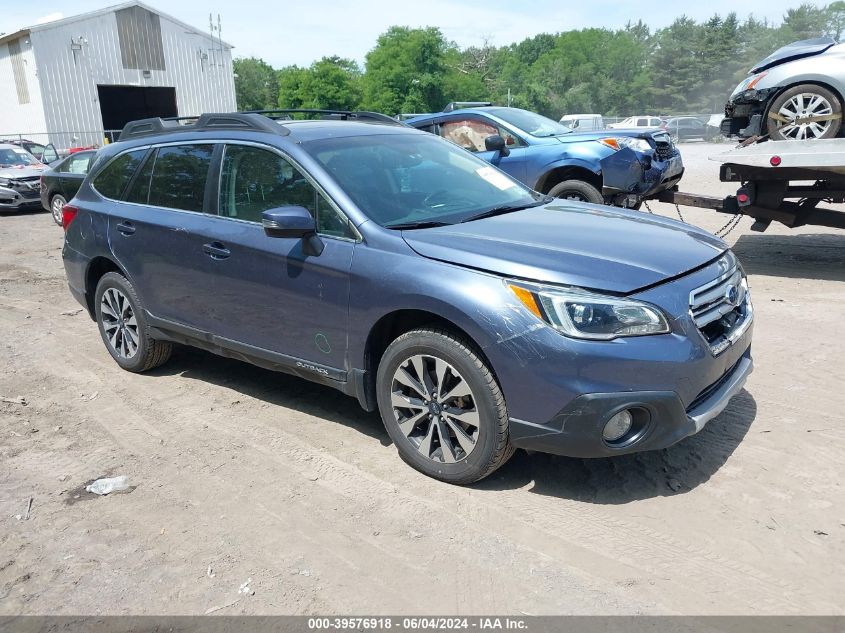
[{"x": 732, "y": 295}]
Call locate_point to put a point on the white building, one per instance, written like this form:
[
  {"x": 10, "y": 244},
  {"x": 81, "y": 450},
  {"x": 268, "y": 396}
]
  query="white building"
[{"x": 84, "y": 75}]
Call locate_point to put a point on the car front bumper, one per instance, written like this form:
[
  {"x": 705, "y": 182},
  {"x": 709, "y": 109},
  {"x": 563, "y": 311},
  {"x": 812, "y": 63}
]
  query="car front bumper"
[
  {"x": 744, "y": 112},
  {"x": 12, "y": 200},
  {"x": 561, "y": 391},
  {"x": 636, "y": 176},
  {"x": 576, "y": 431}
]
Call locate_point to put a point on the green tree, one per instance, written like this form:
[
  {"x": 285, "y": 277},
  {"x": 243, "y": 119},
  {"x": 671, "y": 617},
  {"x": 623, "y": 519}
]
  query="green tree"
[
  {"x": 805, "y": 22},
  {"x": 256, "y": 84},
  {"x": 290, "y": 79},
  {"x": 405, "y": 71},
  {"x": 836, "y": 19},
  {"x": 333, "y": 83}
]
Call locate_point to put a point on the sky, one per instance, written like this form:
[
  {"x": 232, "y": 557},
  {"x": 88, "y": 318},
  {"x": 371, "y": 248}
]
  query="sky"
[{"x": 309, "y": 31}]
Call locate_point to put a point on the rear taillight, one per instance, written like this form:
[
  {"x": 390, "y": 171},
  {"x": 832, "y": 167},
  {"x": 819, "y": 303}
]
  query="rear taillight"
[{"x": 68, "y": 215}]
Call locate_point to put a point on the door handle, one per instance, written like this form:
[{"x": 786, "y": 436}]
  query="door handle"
[
  {"x": 126, "y": 228},
  {"x": 216, "y": 250}
]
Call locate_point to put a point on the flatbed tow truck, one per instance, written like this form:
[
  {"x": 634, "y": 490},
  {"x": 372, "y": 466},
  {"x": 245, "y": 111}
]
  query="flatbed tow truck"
[{"x": 780, "y": 181}]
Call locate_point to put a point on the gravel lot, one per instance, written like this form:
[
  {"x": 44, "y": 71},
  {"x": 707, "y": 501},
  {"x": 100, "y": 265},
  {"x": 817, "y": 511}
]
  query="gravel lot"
[{"x": 246, "y": 479}]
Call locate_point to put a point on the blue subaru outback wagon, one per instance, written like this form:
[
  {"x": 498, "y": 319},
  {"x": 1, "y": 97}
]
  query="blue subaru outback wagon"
[{"x": 476, "y": 315}]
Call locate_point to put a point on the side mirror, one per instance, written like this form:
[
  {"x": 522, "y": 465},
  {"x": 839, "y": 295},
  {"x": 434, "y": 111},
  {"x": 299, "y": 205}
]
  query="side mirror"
[
  {"x": 288, "y": 222},
  {"x": 296, "y": 222},
  {"x": 496, "y": 143}
]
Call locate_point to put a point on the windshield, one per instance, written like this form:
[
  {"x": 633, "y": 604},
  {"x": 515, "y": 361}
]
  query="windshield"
[
  {"x": 412, "y": 180},
  {"x": 16, "y": 158},
  {"x": 530, "y": 122}
]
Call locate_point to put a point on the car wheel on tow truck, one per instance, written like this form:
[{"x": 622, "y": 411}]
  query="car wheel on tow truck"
[
  {"x": 577, "y": 190},
  {"x": 803, "y": 101}
]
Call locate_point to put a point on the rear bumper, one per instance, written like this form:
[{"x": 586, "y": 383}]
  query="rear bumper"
[{"x": 662, "y": 419}]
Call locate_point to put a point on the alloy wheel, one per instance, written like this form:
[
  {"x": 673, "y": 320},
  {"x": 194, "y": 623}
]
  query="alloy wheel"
[
  {"x": 800, "y": 107},
  {"x": 434, "y": 408},
  {"x": 56, "y": 207},
  {"x": 119, "y": 323}
]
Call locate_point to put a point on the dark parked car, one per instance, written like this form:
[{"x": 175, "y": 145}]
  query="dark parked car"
[
  {"x": 45, "y": 153},
  {"x": 475, "y": 314},
  {"x": 61, "y": 181},
  {"x": 686, "y": 128},
  {"x": 621, "y": 167}
]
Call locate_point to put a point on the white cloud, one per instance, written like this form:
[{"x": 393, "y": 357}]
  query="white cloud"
[{"x": 50, "y": 17}]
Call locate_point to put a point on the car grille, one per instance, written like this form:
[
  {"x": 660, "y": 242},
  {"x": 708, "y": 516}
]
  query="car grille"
[
  {"x": 722, "y": 308},
  {"x": 27, "y": 187},
  {"x": 663, "y": 148}
]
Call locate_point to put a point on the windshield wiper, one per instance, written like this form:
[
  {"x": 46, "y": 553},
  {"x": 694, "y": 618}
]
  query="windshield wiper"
[
  {"x": 507, "y": 209},
  {"x": 425, "y": 224}
]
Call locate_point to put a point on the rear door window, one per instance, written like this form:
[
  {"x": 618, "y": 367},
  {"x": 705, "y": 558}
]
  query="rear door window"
[
  {"x": 468, "y": 133},
  {"x": 112, "y": 180},
  {"x": 179, "y": 176},
  {"x": 77, "y": 164}
]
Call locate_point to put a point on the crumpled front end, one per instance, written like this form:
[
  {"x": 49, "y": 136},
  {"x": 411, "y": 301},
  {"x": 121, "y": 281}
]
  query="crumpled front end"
[
  {"x": 631, "y": 176},
  {"x": 744, "y": 112}
]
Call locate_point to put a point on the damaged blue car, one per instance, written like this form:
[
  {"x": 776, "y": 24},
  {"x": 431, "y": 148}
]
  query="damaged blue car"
[{"x": 618, "y": 167}]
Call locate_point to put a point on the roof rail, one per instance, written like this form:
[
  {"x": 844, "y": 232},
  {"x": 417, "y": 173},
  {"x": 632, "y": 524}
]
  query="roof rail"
[
  {"x": 457, "y": 105},
  {"x": 203, "y": 122},
  {"x": 343, "y": 115}
]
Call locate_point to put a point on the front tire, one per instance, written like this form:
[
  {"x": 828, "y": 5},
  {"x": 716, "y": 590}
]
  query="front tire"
[
  {"x": 123, "y": 327},
  {"x": 577, "y": 190},
  {"x": 442, "y": 407},
  {"x": 804, "y": 100},
  {"x": 57, "y": 204}
]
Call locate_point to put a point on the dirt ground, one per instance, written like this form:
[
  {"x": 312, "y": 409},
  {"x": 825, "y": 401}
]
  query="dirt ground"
[{"x": 255, "y": 492}]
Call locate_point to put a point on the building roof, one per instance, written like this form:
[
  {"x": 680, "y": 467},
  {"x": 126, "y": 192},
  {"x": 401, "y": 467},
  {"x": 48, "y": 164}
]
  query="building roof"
[{"x": 84, "y": 16}]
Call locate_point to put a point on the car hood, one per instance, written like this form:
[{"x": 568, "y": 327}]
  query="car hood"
[
  {"x": 21, "y": 172},
  {"x": 791, "y": 52},
  {"x": 643, "y": 132},
  {"x": 573, "y": 244}
]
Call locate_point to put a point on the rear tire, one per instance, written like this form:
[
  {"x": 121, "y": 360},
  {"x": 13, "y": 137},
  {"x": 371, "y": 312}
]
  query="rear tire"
[
  {"x": 577, "y": 190},
  {"x": 799, "y": 101},
  {"x": 123, "y": 326},
  {"x": 57, "y": 203},
  {"x": 442, "y": 407}
]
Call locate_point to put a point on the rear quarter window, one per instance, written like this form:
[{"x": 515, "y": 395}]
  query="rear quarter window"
[{"x": 113, "y": 178}]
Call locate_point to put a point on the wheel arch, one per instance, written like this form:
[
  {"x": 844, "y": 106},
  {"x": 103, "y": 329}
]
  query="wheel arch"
[
  {"x": 560, "y": 173},
  {"x": 397, "y": 322},
  {"x": 98, "y": 267}
]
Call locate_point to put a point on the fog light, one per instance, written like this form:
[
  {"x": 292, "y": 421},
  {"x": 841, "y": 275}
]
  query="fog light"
[{"x": 617, "y": 426}]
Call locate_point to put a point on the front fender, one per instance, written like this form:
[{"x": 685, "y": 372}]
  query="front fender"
[
  {"x": 478, "y": 303},
  {"x": 589, "y": 163}
]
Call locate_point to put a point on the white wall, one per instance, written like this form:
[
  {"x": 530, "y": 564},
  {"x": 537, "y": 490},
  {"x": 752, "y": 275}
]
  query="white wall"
[
  {"x": 69, "y": 79},
  {"x": 15, "y": 117}
]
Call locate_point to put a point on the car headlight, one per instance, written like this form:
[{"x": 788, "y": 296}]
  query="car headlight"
[
  {"x": 618, "y": 142},
  {"x": 749, "y": 83},
  {"x": 586, "y": 315},
  {"x": 5, "y": 182}
]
